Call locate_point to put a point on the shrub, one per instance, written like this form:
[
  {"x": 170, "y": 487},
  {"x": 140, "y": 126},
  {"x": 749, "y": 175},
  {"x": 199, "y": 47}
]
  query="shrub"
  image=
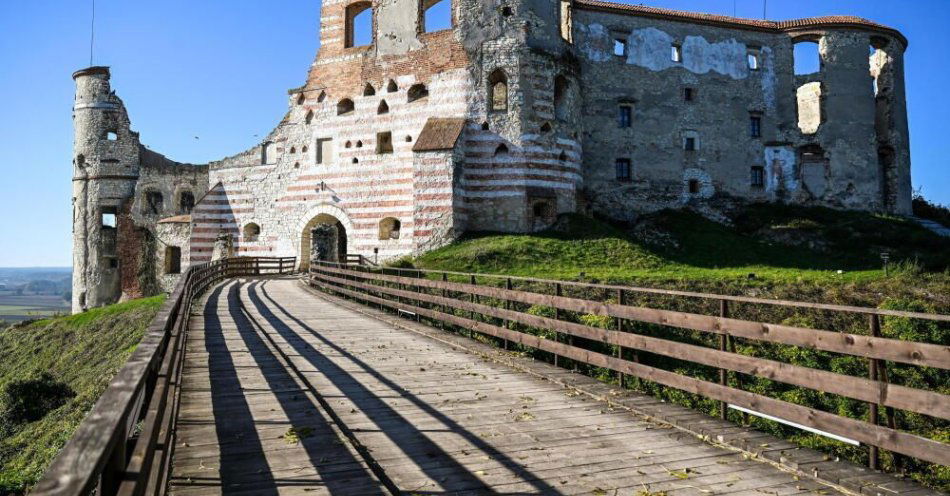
[
  {"x": 28, "y": 400},
  {"x": 932, "y": 211}
]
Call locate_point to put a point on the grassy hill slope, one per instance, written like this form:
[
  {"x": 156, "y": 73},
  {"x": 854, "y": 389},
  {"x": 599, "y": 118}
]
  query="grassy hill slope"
[
  {"x": 51, "y": 373},
  {"x": 778, "y": 244}
]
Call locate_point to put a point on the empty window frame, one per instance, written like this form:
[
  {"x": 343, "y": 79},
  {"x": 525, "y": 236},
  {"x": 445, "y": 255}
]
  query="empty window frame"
[
  {"x": 172, "y": 260},
  {"x": 757, "y": 176},
  {"x": 111, "y": 135},
  {"x": 690, "y": 141},
  {"x": 417, "y": 91},
  {"x": 625, "y": 115},
  {"x": 389, "y": 228},
  {"x": 752, "y": 58},
  {"x": 384, "y": 142},
  {"x": 251, "y": 232},
  {"x": 345, "y": 106},
  {"x": 561, "y": 88},
  {"x": 436, "y": 15},
  {"x": 498, "y": 91},
  {"x": 755, "y": 125},
  {"x": 693, "y": 186},
  {"x": 368, "y": 90},
  {"x": 382, "y": 108},
  {"x": 359, "y": 24},
  {"x": 623, "y": 166},
  {"x": 620, "y": 47},
  {"x": 109, "y": 217},
  {"x": 186, "y": 202},
  {"x": 567, "y": 21},
  {"x": 324, "y": 150},
  {"x": 309, "y": 118},
  {"x": 676, "y": 52},
  {"x": 268, "y": 153},
  {"x": 152, "y": 203},
  {"x": 689, "y": 94},
  {"x": 807, "y": 55}
]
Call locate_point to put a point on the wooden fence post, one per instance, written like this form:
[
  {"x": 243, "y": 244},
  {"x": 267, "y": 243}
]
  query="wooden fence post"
[
  {"x": 620, "y": 376},
  {"x": 874, "y": 456},
  {"x": 557, "y": 316},
  {"x": 723, "y": 345},
  {"x": 507, "y": 307},
  {"x": 471, "y": 332}
]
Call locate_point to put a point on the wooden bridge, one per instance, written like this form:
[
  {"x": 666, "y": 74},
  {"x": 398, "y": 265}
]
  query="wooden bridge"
[{"x": 364, "y": 380}]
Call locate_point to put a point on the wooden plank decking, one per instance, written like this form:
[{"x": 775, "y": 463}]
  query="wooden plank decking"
[{"x": 378, "y": 410}]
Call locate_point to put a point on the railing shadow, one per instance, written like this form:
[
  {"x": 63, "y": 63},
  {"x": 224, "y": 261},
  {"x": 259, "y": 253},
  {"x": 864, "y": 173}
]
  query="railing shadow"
[{"x": 429, "y": 456}]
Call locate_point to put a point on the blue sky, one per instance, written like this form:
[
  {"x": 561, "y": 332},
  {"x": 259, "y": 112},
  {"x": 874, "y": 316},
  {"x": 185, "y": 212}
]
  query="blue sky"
[{"x": 219, "y": 70}]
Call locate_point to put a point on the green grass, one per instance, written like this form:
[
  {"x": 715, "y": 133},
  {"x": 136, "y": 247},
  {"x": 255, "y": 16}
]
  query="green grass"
[
  {"x": 795, "y": 253},
  {"x": 778, "y": 244},
  {"x": 84, "y": 351}
]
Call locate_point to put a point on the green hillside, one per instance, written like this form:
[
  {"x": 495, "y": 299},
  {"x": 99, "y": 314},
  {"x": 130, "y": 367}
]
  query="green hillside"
[
  {"x": 765, "y": 244},
  {"x": 52, "y": 372}
]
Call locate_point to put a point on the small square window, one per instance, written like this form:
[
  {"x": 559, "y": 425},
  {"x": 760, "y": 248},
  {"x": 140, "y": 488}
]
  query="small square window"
[
  {"x": 384, "y": 142},
  {"x": 620, "y": 47},
  {"x": 689, "y": 94},
  {"x": 757, "y": 178},
  {"x": 623, "y": 169},
  {"x": 689, "y": 144},
  {"x": 109, "y": 217},
  {"x": 755, "y": 126},
  {"x": 676, "y": 53},
  {"x": 693, "y": 186},
  {"x": 753, "y": 58},
  {"x": 626, "y": 116}
]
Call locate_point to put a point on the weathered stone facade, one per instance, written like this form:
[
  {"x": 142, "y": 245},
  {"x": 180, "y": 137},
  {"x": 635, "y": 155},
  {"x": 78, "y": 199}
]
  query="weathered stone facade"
[{"x": 522, "y": 110}]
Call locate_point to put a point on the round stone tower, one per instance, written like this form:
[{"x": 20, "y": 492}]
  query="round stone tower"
[{"x": 105, "y": 170}]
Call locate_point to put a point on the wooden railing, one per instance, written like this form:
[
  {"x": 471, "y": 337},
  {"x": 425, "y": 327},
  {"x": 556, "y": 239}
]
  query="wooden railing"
[
  {"x": 357, "y": 259},
  {"x": 124, "y": 444},
  {"x": 492, "y": 306}
]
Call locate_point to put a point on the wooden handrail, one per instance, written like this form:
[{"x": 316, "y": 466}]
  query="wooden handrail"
[
  {"x": 445, "y": 301},
  {"x": 124, "y": 444}
]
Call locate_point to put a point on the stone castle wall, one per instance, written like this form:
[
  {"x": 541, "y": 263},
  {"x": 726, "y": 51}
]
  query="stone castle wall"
[{"x": 499, "y": 124}]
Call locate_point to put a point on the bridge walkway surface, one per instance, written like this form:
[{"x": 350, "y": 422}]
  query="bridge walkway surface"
[{"x": 287, "y": 392}]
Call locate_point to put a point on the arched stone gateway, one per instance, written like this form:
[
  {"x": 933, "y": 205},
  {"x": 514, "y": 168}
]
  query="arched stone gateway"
[{"x": 323, "y": 235}]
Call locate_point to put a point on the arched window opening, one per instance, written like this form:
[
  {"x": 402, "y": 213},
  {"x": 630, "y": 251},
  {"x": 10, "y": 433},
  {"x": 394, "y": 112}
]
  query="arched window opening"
[
  {"x": 501, "y": 151},
  {"x": 562, "y": 157},
  {"x": 293, "y": 149},
  {"x": 485, "y": 126},
  {"x": 301, "y": 98},
  {"x": 417, "y": 91},
  {"x": 356, "y": 160},
  {"x": 408, "y": 139},
  {"x": 309, "y": 117},
  {"x": 391, "y": 87},
  {"x": 251, "y": 232},
  {"x": 186, "y": 202},
  {"x": 344, "y": 107},
  {"x": 437, "y": 15},
  {"x": 359, "y": 24},
  {"x": 546, "y": 128},
  {"x": 498, "y": 91},
  {"x": 172, "y": 260},
  {"x": 359, "y": 143},
  {"x": 561, "y": 87},
  {"x": 322, "y": 97},
  {"x": 111, "y": 135},
  {"x": 348, "y": 144},
  {"x": 389, "y": 228},
  {"x": 153, "y": 203},
  {"x": 383, "y": 108},
  {"x": 368, "y": 90},
  {"x": 807, "y": 57}
]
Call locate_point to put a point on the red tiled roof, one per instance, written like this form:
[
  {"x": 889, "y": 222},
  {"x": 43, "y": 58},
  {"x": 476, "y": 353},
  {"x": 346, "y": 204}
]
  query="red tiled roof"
[{"x": 738, "y": 22}]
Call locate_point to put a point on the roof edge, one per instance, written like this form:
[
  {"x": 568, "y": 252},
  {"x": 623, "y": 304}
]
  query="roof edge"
[{"x": 789, "y": 26}]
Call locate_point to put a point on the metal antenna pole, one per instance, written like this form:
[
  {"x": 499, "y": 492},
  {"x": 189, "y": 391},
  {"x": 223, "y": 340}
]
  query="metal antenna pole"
[
  {"x": 92, "y": 32},
  {"x": 765, "y": 4}
]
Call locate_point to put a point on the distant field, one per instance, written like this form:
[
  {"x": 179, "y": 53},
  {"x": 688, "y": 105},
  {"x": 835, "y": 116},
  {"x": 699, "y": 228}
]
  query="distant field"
[{"x": 16, "y": 308}]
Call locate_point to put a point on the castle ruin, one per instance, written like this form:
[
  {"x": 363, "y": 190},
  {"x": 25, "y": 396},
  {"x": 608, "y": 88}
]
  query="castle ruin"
[{"x": 402, "y": 139}]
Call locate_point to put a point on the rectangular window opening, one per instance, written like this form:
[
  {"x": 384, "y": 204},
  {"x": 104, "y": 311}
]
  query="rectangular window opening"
[
  {"x": 623, "y": 169},
  {"x": 689, "y": 94},
  {"x": 109, "y": 219},
  {"x": 676, "y": 53},
  {"x": 626, "y": 116},
  {"x": 753, "y": 59},
  {"x": 384, "y": 142},
  {"x": 172, "y": 260},
  {"x": 324, "y": 150},
  {"x": 620, "y": 47},
  {"x": 755, "y": 126},
  {"x": 690, "y": 144},
  {"x": 757, "y": 176}
]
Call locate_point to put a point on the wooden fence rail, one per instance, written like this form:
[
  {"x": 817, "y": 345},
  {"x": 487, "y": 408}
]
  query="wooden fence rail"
[
  {"x": 431, "y": 295},
  {"x": 124, "y": 444}
]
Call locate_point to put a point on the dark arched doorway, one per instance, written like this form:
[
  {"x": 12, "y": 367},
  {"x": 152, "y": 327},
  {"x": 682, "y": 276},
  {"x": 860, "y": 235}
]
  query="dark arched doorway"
[{"x": 323, "y": 238}]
